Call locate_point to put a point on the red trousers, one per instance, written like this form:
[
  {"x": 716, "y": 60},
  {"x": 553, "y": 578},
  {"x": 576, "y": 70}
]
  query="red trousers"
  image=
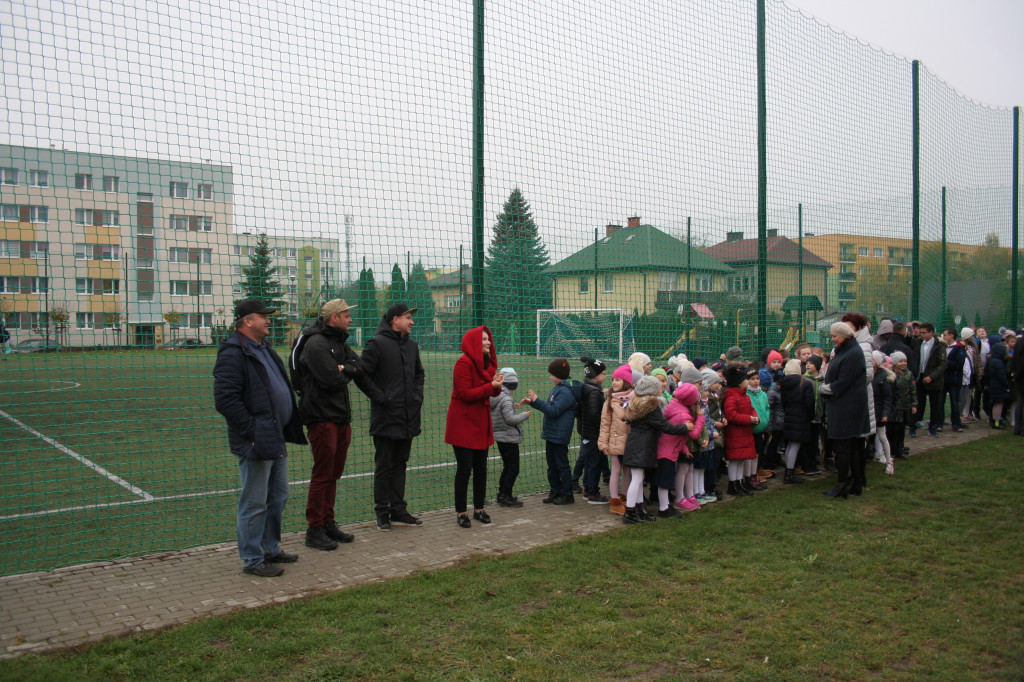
[{"x": 330, "y": 443}]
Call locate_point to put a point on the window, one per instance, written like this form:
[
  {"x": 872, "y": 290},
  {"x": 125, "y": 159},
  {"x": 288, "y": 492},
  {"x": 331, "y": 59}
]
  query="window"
[
  {"x": 38, "y": 319},
  {"x": 38, "y": 214},
  {"x": 144, "y": 263},
  {"x": 109, "y": 218},
  {"x": 236, "y": 250},
  {"x": 204, "y": 224},
  {"x": 327, "y": 254},
  {"x": 38, "y": 178},
  {"x": 194, "y": 320},
  {"x": 201, "y": 288},
  {"x": 83, "y": 286},
  {"x": 10, "y": 248},
  {"x": 179, "y": 190},
  {"x": 36, "y": 250},
  {"x": 83, "y": 181},
  {"x": 236, "y": 290},
  {"x": 609, "y": 284},
  {"x": 111, "y": 287},
  {"x": 110, "y": 252},
  {"x": 741, "y": 283},
  {"x": 110, "y": 183},
  {"x": 178, "y": 222},
  {"x": 291, "y": 290},
  {"x": 292, "y": 272},
  {"x": 145, "y": 295},
  {"x": 179, "y": 288},
  {"x": 878, "y": 253},
  {"x": 454, "y": 301},
  {"x": 237, "y": 271},
  {"x": 9, "y": 176},
  {"x": 862, "y": 270},
  {"x": 177, "y": 255},
  {"x": 83, "y": 216},
  {"x": 11, "y": 212},
  {"x": 862, "y": 252},
  {"x": 668, "y": 281},
  {"x": 704, "y": 282},
  {"x": 584, "y": 285},
  {"x": 84, "y": 320},
  {"x": 38, "y": 285},
  {"x": 83, "y": 251},
  {"x": 8, "y": 285},
  {"x": 204, "y": 191},
  {"x": 205, "y": 256},
  {"x": 291, "y": 253}
]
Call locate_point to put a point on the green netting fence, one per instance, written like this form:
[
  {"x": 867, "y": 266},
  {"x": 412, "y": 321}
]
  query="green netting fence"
[{"x": 582, "y": 177}]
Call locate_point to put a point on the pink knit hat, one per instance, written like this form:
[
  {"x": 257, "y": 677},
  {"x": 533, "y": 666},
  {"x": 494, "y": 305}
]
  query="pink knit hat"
[
  {"x": 624, "y": 372},
  {"x": 773, "y": 356},
  {"x": 687, "y": 394}
]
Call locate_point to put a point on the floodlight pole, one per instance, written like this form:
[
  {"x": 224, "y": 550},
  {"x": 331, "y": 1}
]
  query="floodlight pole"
[
  {"x": 478, "y": 163},
  {"x": 762, "y": 181}
]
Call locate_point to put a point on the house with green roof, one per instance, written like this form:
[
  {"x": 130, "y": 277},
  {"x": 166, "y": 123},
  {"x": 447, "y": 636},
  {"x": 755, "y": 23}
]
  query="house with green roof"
[{"x": 632, "y": 267}]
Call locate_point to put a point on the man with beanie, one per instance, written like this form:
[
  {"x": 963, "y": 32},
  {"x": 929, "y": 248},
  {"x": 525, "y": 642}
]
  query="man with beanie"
[
  {"x": 734, "y": 354},
  {"x": 391, "y": 362},
  {"x": 508, "y": 434},
  {"x": 559, "y": 414},
  {"x": 897, "y": 342},
  {"x": 591, "y": 404},
  {"x": 322, "y": 366}
]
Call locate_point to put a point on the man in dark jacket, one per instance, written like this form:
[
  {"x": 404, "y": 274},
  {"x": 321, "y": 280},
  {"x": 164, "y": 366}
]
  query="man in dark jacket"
[
  {"x": 953, "y": 378},
  {"x": 930, "y": 357},
  {"x": 897, "y": 341},
  {"x": 391, "y": 362},
  {"x": 324, "y": 365},
  {"x": 251, "y": 390},
  {"x": 591, "y": 405}
]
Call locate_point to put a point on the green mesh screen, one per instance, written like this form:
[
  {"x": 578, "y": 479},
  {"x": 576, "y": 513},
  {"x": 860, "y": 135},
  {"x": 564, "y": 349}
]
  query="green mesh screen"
[{"x": 161, "y": 161}]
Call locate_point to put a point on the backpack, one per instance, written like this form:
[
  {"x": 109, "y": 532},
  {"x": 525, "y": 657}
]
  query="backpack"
[{"x": 295, "y": 369}]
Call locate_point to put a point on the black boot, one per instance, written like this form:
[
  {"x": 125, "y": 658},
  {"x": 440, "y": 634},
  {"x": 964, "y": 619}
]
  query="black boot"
[
  {"x": 644, "y": 515},
  {"x": 737, "y": 490},
  {"x": 792, "y": 477},
  {"x": 840, "y": 490},
  {"x": 756, "y": 484},
  {"x": 630, "y": 518},
  {"x": 505, "y": 500},
  {"x": 744, "y": 485}
]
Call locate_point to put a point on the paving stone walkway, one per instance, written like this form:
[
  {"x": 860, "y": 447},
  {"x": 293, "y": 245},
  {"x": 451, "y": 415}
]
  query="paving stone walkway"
[{"x": 79, "y": 604}]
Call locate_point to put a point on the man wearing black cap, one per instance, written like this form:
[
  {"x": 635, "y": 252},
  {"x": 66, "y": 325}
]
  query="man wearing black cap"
[
  {"x": 394, "y": 384},
  {"x": 251, "y": 390}
]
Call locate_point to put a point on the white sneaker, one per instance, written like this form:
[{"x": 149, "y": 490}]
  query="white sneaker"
[{"x": 889, "y": 469}]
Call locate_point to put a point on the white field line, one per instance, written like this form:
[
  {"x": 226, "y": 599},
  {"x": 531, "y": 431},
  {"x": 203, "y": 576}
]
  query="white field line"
[
  {"x": 212, "y": 493},
  {"x": 84, "y": 460}
]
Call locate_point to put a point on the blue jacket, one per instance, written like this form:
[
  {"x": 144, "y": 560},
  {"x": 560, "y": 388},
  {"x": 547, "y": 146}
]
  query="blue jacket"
[
  {"x": 242, "y": 393},
  {"x": 559, "y": 411},
  {"x": 955, "y": 357},
  {"x": 998, "y": 377}
]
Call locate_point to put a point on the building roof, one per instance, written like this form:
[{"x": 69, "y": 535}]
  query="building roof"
[
  {"x": 451, "y": 279},
  {"x": 806, "y": 302},
  {"x": 781, "y": 251},
  {"x": 637, "y": 248}
]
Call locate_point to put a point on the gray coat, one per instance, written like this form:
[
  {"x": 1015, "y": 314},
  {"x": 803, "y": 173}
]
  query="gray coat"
[
  {"x": 507, "y": 422},
  {"x": 863, "y": 338},
  {"x": 847, "y": 409}
]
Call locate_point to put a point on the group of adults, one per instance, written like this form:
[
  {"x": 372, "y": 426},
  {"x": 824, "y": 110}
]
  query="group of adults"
[{"x": 254, "y": 392}]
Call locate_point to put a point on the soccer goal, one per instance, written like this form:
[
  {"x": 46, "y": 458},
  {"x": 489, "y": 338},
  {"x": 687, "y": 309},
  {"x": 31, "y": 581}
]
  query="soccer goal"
[{"x": 602, "y": 333}]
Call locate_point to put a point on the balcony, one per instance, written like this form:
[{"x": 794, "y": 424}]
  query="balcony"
[{"x": 847, "y": 276}]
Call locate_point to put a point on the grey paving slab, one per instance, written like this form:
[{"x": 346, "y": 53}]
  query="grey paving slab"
[{"x": 74, "y": 605}]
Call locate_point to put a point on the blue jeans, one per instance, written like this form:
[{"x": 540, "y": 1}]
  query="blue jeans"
[
  {"x": 591, "y": 467},
  {"x": 260, "y": 506},
  {"x": 559, "y": 474}
]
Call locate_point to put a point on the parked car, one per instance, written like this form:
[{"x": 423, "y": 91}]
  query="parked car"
[
  {"x": 184, "y": 344},
  {"x": 37, "y": 346}
]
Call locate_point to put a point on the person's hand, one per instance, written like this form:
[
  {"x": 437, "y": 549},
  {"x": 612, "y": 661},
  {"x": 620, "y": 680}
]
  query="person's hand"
[
  {"x": 927, "y": 380},
  {"x": 689, "y": 426},
  {"x": 725, "y": 422},
  {"x": 522, "y": 402},
  {"x": 532, "y": 394},
  {"x": 498, "y": 380},
  {"x": 913, "y": 410},
  {"x": 885, "y": 419},
  {"x": 754, "y": 419},
  {"x": 341, "y": 368}
]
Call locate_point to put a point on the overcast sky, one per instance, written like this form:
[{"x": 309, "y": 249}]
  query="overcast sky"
[
  {"x": 977, "y": 46},
  {"x": 597, "y": 109}
]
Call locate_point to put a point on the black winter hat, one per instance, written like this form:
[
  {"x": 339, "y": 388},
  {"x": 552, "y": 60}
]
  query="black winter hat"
[
  {"x": 735, "y": 375},
  {"x": 559, "y": 367},
  {"x": 592, "y": 368},
  {"x": 815, "y": 360}
]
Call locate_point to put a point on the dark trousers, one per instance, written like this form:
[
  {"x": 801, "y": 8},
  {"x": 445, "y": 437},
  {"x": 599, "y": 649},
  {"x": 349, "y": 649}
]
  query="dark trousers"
[
  {"x": 468, "y": 462},
  {"x": 509, "y": 468},
  {"x": 591, "y": 467},
  {"x": 390, "y": 461},
  {"x": 559, "y": 475},
  {"x": 329, "y": 443},
  {"x": 896, "y": 433},
  {"x": 759, "y": 444},
  {"x": 808, "y": 457},
  {"x": 954, "y": 403},
  {"x": 937, "y": 412},
  {"x": 579, "y": 467},
  {"x": 850, "y": 464},
  {"x": 775, "y": 443},
  {"x": 711, "y": 473}
]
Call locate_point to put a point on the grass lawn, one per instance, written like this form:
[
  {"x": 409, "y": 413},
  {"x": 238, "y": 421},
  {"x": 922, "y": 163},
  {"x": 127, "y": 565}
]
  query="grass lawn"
[
  {"x": 921, "y": 578},
  {"x": 163, "y": 478}
]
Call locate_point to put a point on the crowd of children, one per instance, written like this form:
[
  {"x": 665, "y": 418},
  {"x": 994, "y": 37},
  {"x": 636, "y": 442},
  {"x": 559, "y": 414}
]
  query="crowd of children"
[{"x": 676, "y": 429}]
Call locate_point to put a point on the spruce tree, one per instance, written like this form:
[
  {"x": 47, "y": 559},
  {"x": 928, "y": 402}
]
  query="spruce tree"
[
  {"x": 367, "y": 311},
  {"x": 516, "y": 285},
  {"x": 419, "y": 297},
  {"x": 259, "y": 280},
  {"x": 396, "y": 292}
]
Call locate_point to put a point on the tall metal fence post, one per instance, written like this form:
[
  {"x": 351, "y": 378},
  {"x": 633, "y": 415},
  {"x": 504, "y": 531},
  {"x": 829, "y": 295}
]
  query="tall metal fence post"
[
  {"x": 1014, "y": 217},
  {"x": 800, "y": 261},
  {"x": 479, "y": 295},
  {"x": 762, "y": 182},
  {"x": 942, "y": 278},
  {"x": 915, "y": 275}
]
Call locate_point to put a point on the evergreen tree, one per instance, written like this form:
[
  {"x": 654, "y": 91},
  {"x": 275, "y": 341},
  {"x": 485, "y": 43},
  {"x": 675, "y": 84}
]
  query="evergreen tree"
[
  {"x": 367, "y": 311},
  {"x": 259, "y": 280},
  {"x": 516, "y": 285},
  {"x": 396, "y": 292},
  {"x": 419, "y": 297}
]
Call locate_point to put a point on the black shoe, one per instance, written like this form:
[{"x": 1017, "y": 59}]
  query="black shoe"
[
  {"x": 719, "y": 495},
  {"x": 509, "y": 501},
  {"x": 384, "y": 522},
  {"x": 282, "y": 558},
  {"x": 481, "y": 516},
  {"x": 644, "y": 514},
  {"x": 670, "y": 513},
  {"x": 405, "y": 519},
  {"x": 464, "y": 521},
  {"x": 840, "y": 490},
  {"x": 576, "y": 487},
  {"x": 551, "y": 497},
  {"x": 337, "y": 534},
  {"x": 792, "y": 477},
  {"x": 564, "y": 499},
  {"x": 829, "y": 467},
  {"x": 264, "y": 570},
  {"x": 630, "y": 518},
  {"x": 317, "y": 539}
]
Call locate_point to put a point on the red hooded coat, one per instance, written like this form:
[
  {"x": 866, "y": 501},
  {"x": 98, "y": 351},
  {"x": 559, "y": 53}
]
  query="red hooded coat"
[
  {"x": 739, "y": 431},
  {"x": 469, "y": 412}
]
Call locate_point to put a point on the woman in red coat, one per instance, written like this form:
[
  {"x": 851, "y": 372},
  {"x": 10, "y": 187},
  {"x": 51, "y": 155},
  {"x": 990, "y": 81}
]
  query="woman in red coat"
[
  {"x": 468, "y": 429},
  {"x": 740, "y": 417}
]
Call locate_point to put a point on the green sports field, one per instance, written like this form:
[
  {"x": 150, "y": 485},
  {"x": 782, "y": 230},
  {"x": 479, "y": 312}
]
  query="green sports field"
[{"x": 109, "y": 454}]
